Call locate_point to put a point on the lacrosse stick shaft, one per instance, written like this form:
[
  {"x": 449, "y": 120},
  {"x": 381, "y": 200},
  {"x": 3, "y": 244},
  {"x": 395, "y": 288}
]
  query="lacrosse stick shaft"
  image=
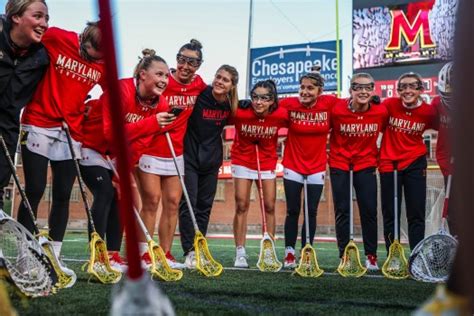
[
  {"x": 181, "y": 179},
  {"x": 306, "y": 215},
  {"x": 19, "y": 186},
  {"x": 395, "y": 199},
  {"x": 351, "y": 204},
  {"x": 446, "y": 197},
  {"x": 260, "y": 191},
  {"x": 79, "y": 176}
]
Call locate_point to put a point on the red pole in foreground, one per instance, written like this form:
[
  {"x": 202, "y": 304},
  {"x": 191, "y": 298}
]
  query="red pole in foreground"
[{"x": 126, "y": 200}]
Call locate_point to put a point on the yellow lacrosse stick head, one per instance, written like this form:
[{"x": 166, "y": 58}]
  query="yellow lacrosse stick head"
[
  {"x": 205, "y": 263},
  {"x": 159, "y": 266},
  {"x": 396, "y": 265},
  {"x": 267, "y": 259},
  {"x": 5, "y": 306},
  {"x": 350, "y": 265},
  {"x": 99, "y": 265},
  {"x": 308, "y": 265},
  {"x": 65, "y": 280}
]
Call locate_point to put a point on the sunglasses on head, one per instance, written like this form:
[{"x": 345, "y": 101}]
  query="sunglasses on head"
[
  {"x": 362, "y": 86},
  {"x": 412, "y": 85},
  {"x": 262, "y": 97},
  {"x": 194, "y": 62}
]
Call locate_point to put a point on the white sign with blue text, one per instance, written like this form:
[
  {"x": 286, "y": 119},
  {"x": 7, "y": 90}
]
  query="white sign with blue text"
[{"x": 286, "y": 64}]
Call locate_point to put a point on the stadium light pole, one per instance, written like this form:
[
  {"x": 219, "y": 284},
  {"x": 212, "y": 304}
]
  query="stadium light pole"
[{"x": 249, "y": 46}]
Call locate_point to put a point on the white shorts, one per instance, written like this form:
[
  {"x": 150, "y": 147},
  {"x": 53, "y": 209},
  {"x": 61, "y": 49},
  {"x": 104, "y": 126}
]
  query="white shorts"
[
  {"x": 90, "y": 157},
  {"x": 242, "y": 172},
  {"x": 161, "y": 166},
  {"x": 50, "y": 142},
  {"x": 315, "y": 178}
]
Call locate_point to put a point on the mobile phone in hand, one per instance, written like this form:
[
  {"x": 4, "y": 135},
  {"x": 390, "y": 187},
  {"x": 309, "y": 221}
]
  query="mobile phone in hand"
[{"x": 176, "y": 111}]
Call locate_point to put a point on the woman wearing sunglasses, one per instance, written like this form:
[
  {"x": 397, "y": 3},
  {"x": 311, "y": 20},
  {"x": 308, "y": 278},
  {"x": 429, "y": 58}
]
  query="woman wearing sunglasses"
[
  {"x": 355, "y": 126},
  {"x": 157, "y": 173},
  {"x": 258, "y": 125},
  {"x": 403, "y": 148},
  {"x": 24, "y": 61},
  {"x": 305, "y": 156}
]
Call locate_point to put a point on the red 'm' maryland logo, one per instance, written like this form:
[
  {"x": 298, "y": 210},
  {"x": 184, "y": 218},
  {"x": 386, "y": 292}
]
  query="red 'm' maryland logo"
[{"x": 418, "y": 29}]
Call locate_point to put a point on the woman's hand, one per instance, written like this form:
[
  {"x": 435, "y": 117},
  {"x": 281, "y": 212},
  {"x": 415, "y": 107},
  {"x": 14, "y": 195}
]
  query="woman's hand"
[{"x": 165, "y": 118}]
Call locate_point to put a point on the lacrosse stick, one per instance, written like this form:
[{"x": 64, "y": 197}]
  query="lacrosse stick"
[
  {"x": 159, "y": 266},
  {"x": 66, "y": 279},
  {"x": 98, "y": 265},
  {"x": 22, "y": 257},
  {"x": 205, "y": 263},
  {"x": 267, "y": 259},
  {"x": 308, "y": 266},
  {"x": 433, "y": 257},
  {"x": 350, "y": 265},
  {"x": 396, "y": 265}
]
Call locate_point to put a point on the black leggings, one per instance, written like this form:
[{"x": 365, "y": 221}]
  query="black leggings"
[
  {"x": 104, "y": 208},
  {"x": 365, "y": 184},
  {"x": 293, "y": 191},
  {"x": 35, "y": 168},
  {"x": 413, "y": 181}
]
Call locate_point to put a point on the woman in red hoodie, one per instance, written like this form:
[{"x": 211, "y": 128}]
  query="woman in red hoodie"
[
  {"x": 145, "y": 112},
  {"x": 305, "y": 156},
  {"x": 75, "y": 68},
  {"x": 356, "y": 124},
  {"x": 255, "y": 125},
  {"x": 403, "y": 147},
  {"x": 156, "y": 166}
]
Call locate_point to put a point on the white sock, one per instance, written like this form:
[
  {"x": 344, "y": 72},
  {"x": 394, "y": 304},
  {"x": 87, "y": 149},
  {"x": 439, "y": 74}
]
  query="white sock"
[
  {"x": 143, "y": 247},
  {"x": 240, "y": 250},
  {"x": 57, "y": 247},
  {"x": 289, "y": 250}
]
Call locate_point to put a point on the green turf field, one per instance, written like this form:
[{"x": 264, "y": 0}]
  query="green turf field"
[{"x": 245, "y": 292}]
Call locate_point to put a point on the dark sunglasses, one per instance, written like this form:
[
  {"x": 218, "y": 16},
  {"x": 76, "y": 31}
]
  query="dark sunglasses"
[
  {"x": 361, "y": 86},
  {"x": 412, "y": 85},
  {"x": 263, "y": 97},
  {"x": 194, "y": 62}
]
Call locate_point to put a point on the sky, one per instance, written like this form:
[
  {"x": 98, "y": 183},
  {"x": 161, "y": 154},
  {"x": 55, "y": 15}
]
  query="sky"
[{"x": 222, "y": 26}]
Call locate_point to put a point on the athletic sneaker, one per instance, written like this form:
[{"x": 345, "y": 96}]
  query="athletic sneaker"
[
  {"x": 146, "y": 260},
  {"x": 117, "y": 262},
  {"x": 241, "y": 261},
  {"x": 371, "y": 263},
  {"x": 173, "y": 263},
  {"x": 290, "y": 261},
  {"x": 190, "y": 260},
  {"x": 444, "y": 302}
]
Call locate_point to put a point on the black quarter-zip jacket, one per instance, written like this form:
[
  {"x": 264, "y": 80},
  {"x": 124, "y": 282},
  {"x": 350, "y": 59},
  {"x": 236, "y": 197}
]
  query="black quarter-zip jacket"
[{"x": 203, "y": 140}]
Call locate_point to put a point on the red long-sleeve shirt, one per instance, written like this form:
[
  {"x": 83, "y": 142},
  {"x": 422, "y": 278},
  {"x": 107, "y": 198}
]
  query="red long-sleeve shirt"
[
  {"x": 141, "y": 125},
  {"x": 403, "y": 137},
  {"x": 354, "y": 136},
  {"x": 444, "y": 125},
  {"x": 305, "y": 150},
  {"x": 250, "y": 129},
  {"x": 61, "y": 93},
  {"x": 182, "y": 96}
]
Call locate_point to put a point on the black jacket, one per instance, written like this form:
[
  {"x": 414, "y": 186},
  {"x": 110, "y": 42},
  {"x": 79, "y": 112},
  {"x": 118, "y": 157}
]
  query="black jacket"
[
  {"x": 19, "y": 77},
  {"x": 203, "y": 140}
]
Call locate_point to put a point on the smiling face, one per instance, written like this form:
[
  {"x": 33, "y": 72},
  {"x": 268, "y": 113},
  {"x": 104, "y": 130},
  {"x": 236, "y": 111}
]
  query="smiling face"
[
  {"x": 361, "y": 90},
  {"x": 410, "y": 89},
  {"x": 309, "y": 92},
  {"x": 222, "y": 83},
  {"x": 154, "y": 80},
  {"x": 188, "y": 63},
  {"x": 30, "y": 27},
  {"x": 262, "y": 100}
]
